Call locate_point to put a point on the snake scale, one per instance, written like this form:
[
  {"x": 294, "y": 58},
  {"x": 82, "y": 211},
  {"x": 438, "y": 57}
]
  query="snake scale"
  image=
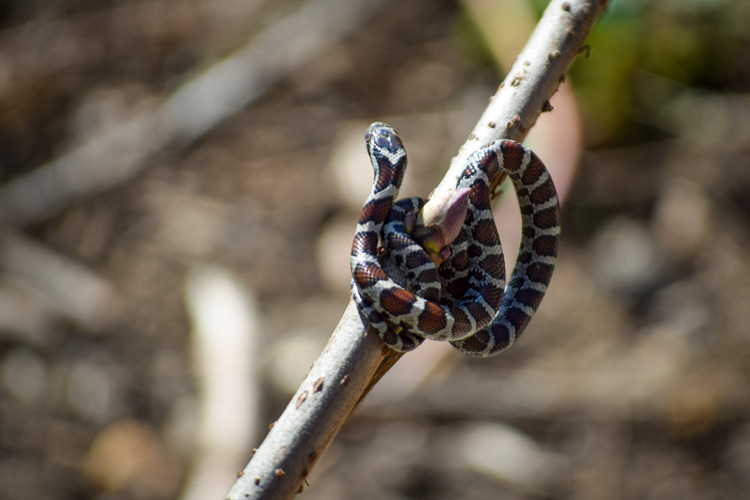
[{"x": 465, "y": 299}]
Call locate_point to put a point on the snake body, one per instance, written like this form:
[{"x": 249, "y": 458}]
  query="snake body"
[{"x": 465, "y": 300}]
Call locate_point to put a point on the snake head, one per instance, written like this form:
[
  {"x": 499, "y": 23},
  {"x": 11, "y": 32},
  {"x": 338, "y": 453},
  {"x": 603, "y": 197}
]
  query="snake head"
[
  {"x": 381, "y": 136},
  {"x": 440, "y": 222}
]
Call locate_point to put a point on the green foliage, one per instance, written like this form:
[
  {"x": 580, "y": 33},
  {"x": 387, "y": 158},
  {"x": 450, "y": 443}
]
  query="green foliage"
[{"x": 695, "y": 44}]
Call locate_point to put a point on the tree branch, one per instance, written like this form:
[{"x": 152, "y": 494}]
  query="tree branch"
[{"x": 352, "y": 362}]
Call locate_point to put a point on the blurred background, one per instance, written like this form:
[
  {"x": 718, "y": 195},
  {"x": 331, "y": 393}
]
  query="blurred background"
[{"x": 179, "y": 184}]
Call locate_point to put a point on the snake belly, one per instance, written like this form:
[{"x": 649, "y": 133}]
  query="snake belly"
[{"x": 466, "y": 303}]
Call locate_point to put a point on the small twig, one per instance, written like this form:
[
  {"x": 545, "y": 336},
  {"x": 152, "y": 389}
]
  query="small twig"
[
  {"x": 352, "y": 362},
  {"x": 49, "y": 276},
  {"x": 117, "y": 153},
  {"x": 224, "y": 332}
]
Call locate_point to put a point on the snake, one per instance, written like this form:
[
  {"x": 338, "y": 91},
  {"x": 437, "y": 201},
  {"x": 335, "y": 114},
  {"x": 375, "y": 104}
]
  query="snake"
[{"x": 465, "y": 299}]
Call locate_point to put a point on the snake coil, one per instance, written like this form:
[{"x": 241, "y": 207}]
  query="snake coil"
[{"x": 465, "y": 300}]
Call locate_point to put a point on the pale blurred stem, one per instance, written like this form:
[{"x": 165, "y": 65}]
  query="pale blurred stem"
[{"x": 352, "y": 362}]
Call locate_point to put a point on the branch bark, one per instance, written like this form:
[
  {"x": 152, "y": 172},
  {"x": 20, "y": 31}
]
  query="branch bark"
[{"x": 352, "y": 362}]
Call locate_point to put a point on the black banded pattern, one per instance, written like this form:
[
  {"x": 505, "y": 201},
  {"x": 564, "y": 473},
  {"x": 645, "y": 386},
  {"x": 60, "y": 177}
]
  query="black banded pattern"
[{"x": 465, "y": 300}]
